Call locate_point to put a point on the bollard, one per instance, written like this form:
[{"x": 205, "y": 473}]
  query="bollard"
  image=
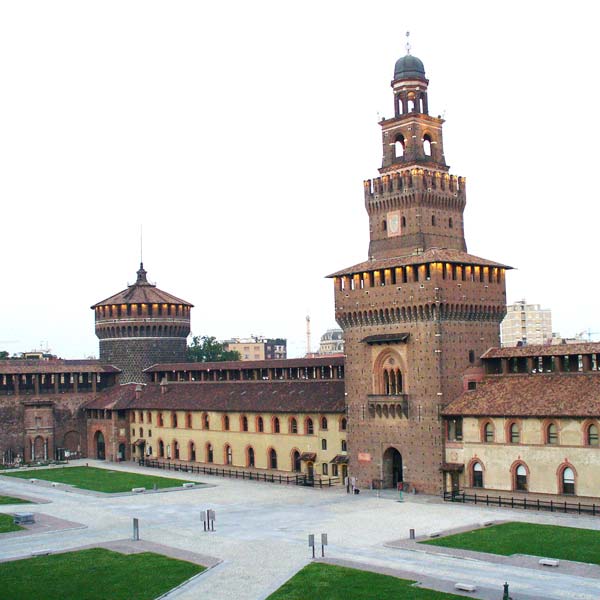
[
  {"x": 323, "y": 544},
  {"x": 506, "y": 595},
  {"x": 412, "y": 534},
  {"x": 311, "y": 543},
  {"x": 136, "y": 530},
  {"x": 203, "y": 517},
  {"x": 210, "y": 515}
]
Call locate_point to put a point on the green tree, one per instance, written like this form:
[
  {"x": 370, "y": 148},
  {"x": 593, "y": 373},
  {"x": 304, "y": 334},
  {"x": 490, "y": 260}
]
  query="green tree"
[
  {"x": 207, "y": 349},
  {"x": 3, "y": 354}
]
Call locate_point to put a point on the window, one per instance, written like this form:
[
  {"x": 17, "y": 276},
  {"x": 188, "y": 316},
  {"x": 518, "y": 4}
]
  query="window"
[
  {"x": 514, "y": 435},
  {"x": 592, "y": 435},
  {"x": 209, "y": 453},
  {"x": 141, "y": 432},
  {"x": 272, "y": 459},
  {"x": 176, "y": 449},
  {"x": 344, "y": 446},
  {"x": 325, "y": 469},
  {"x": 226, "y": 422},
  {"x": 427, "y": 144},
  {"x": 521, "y": 479},
  {"x": 141, "y": 417},
  {"x": 293, "y": 425},
  {"x": 450, "y": 223},
  {"x": 454, "y": 429},
  {"x": 488, "y": 433},
  {"x": 477, "y": 475},
  {"x": 334, "y": 470},
  {"x": 161, "y": 449},
  {"x": 174, "y": 419},
  {"x": 433, "y": 219},
  {"x": 471, "y": 356},
  {"x": 188, "y": 420},
  {"x": 260, "y": 425},
  {"x": 149, "y": 417},
  {"x": 228, "y": 455},
  {"x": 205, "y": 421},
  {"x": 250, "y": 455},
  {"x": 399, "y": 146},
  {"x": 323, "y": 422},
  {"x": 568, "y": 481},
  {"x": 244, "y": 423},
  {"x": 276, "y": 425},
  {"x": 309, "y": 428},
  {"x": 344, "y": 424},
  {"x": 161, "y": 420},
  {"x": 552, "y": 434},
  {"x": 323, "y": 444},
  {"x": 471, "y": 385}
]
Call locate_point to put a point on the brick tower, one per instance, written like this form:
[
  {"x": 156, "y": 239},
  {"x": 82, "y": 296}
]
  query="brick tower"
[
  {"x": 141, "y": 326},
  {"x": 421, "y": 310}
]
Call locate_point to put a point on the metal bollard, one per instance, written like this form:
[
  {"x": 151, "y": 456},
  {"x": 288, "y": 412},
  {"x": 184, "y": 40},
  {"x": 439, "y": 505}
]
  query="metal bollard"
[
  {"x": 412, "y": 534},
  {"x": 136, "y": 530}
]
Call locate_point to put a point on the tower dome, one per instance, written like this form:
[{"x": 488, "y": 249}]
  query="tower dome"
[
  {"x": 141, "y": 326},
  {"x": 409, "y": 67}
]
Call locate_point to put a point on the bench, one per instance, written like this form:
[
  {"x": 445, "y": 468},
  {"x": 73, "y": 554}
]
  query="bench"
[
  {"x": 138, "y": 490},
  {"x": 22, "y": 518},
  {"x": 189, "y": 485},
  {"x": 465, "y": 587},
  {"x": 435, "y": 534},
  {"x": 41, "y": 553},
  {"x": 549, "y": 562}
]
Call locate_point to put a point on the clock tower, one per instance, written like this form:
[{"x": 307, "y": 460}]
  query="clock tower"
[{"x": 421, "y": 310}]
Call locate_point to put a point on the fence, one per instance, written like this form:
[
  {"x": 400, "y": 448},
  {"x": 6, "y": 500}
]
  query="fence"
[
  {"x": 295, "y": 479},
  {"x": 532, "y": 504}
]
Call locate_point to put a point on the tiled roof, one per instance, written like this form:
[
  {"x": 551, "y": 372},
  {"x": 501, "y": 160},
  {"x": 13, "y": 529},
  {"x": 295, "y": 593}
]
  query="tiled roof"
[
  {"x": 269, "y": 396},
  {"x": 545, "y": 350},
  {"x": 445, "y": 255},
  {"x": 274, "y": 363},
  {"x": 8, "y": 367},
  {"x": 142, "y": 292},
  {"x": 536, "y": 395}
]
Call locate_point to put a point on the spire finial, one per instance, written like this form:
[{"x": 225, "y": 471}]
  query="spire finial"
[
  {"x": 141, "y": 244},
  {"x": 408, "y": 42}
]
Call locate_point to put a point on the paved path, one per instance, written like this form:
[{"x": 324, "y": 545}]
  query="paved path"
[{"x": 261, "y": 535}]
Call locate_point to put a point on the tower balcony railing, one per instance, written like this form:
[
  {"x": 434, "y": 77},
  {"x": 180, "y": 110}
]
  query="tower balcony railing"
[
  {"x": 388, "y": 405},
  {"x": 143, "y": 320}
]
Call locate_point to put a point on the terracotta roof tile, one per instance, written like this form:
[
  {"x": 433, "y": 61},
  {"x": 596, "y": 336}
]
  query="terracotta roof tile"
[
  {"x": 274, "y": 363},
  {"x": 432, "y": 255},
  {"x": 8, "y": 367},
  {"x": 545, "y": 350},
  {"x": 536, "y": 395},
  {"x": 115, "y": 398}
]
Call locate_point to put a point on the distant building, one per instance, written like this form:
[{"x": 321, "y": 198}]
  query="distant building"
[
  {"x": 332, "y": 342},
  {"x": 526, "y": 324},
  {"x": 257, "y": 348}
]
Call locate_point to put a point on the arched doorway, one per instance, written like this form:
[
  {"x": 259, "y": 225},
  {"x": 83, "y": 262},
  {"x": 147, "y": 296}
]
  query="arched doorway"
[
  {"x": 310, "y": 470},
  {"x": 38, "y": 448},
  {"x": 296, "y": 463},
  {"x": 392, "y": 468},
  {"x": 100, "y": 447},
  {"x": 121, "y": 451}
]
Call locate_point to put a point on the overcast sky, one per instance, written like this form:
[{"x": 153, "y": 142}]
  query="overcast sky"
[{"x": 239, "y": 133}]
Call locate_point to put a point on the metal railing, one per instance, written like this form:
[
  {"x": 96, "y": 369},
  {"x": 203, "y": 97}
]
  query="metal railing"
[
  {"x": 295, "y": 479},
  {"x": 524, "y": 503}
]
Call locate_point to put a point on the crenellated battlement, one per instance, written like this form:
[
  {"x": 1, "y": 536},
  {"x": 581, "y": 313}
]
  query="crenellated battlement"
[{"x": 415, "y": 180}]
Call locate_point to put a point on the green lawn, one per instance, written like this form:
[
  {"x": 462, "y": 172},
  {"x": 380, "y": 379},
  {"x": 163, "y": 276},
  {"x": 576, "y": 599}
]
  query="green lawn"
[
  {"x": 329, "y": 582},
  {"x": 95, "y": 574},
  {"x": 11, "y": 500},
  {"x": 549, "y": 541},
  {"x": 7, "y": 525},
  {"x": 99, "y": 480}
]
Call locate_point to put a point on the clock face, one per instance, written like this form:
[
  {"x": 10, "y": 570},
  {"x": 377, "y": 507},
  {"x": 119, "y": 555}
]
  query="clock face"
[{"x": 393, "y": 223}]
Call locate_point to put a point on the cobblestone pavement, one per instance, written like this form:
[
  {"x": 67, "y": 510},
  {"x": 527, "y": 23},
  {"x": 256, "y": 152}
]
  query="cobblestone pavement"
[{"x": 261, "y": 535}]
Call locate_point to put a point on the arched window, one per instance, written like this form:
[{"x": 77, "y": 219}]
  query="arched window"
[
  {"x": 226, "y": 422},
  {"x": 250, "y": 456},
  {"x": 514, "y": 434},
  {"x": 309, "y": 428},
  {"x": 323, "y": 444},
  {"x": 427, "y": 144},
  {"x": 188, "y": 420},
  {"x": 293, "y": 425},
  {"x": 323, "y": 422},
  {"x": 399, "y": 146},
  {"x": 552, "y": 434},
  {"x": 477, "y": 475},
  {"x": 205, "y": 421},
  {"x": 260, "y": 425},
  {"x": 209, "y": 453},
  {"x": 568, "y": 481},
  {"x": 176, "y": 449},
  {"x": 173, "y": 419},
  {"x": 192, "y": 451},
  {"x": 141, "y": 432},
  {"x": 488, "y": 432},
  {"x": 228, "y": 455},
  {"x": 521, "y": 478},
  {"x": 244, "y": 423},
  {"x": 276, "y": 427},
  {"x": 161, "y": 449},
  {"x": 344, "y": 446},
  {"x": 343, "y": 423},
  {"x": 592, "y": 435},
  {"x": 149, "y": 417},
  {"x": 272, "y": 459}
]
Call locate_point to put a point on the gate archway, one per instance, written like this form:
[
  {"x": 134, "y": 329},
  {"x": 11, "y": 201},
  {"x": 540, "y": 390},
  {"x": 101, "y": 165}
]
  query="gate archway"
[{"x": 392, "y": 468}]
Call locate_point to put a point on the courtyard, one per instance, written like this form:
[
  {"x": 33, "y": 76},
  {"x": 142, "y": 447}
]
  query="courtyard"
[{"x": 261, "y": 536}]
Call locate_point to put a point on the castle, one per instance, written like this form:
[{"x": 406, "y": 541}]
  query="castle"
[{"x": 423, "y": 398}]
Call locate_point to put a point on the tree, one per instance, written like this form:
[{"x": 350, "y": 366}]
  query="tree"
[
  {"x": 3, "y": 354},
  {"x": 207, "y": 349}
]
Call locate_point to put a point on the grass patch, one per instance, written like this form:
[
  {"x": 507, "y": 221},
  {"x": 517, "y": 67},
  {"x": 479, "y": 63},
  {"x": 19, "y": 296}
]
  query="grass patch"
[
  {"x": 99, "y": 480},
  {"x": 7, "y": 525},
  {"x": 551, "y": 541},
  {"x": 95, "y": 574},
  {"x": 318, "y": 580},
  {"x": 11, "y": 500}
]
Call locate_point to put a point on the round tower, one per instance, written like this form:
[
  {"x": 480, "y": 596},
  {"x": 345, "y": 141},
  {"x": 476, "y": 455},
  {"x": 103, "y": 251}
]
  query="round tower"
[{"x": 141, "y": 326}]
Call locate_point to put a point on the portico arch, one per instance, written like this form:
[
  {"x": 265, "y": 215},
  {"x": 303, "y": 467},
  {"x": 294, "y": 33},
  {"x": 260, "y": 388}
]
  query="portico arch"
[{"x": 392, "y": 468}]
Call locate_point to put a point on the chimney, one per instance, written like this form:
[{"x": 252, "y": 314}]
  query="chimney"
[
  {"x": 138, "y": 391},
  {"x": 163, "y": 385}
]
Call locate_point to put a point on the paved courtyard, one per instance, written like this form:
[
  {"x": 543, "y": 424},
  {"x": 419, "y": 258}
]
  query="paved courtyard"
[{"x": 261, "y": 535}]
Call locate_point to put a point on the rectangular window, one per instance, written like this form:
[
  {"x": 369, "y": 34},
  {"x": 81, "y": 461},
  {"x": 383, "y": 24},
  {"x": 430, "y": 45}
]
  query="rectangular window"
[
  {"x": 454, "y": 429},
  {"x": 325, "y": 469},
  {"x": 334, "y": 470}
]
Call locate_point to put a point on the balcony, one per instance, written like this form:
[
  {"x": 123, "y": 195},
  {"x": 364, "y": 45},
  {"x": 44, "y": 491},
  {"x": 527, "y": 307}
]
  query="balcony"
[{"x": 388, "y": 406}]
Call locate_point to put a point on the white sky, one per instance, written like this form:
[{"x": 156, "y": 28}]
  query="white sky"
[{"x": 239, "y": 134}]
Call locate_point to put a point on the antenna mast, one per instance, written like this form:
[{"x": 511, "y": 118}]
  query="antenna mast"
[{"x": 307, "y": 334}]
